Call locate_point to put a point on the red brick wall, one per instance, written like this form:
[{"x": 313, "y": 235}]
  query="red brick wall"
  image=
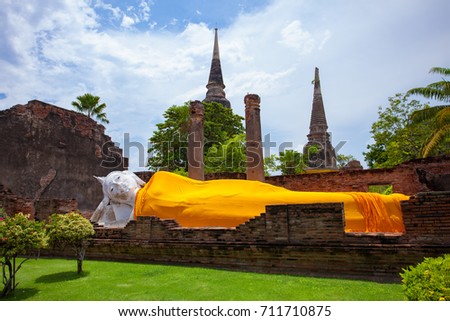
[
  {"x": 39, "y": 209},
  {"x": 12, "y": 203},
  {"x": 306, "y": 239},
  {"x": 427, "y": 218},
  {"x": 53, "y": 153},
  {"x": 404, "y": 178}
]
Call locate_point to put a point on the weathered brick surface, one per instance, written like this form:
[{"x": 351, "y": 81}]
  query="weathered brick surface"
[
  {"x": 39, "y": 209},
  {"x": 427, "y": 218},
  {"x": 50, "y": 152},
  {"x": 307, "y": 239},
  {"x": 12, "y": 203},
  {"x": 412, "y": 177},
  {"x": 44, "y": 207},
  {"x": 304, "y": 239},
  {"x": 422, "y": 175}
]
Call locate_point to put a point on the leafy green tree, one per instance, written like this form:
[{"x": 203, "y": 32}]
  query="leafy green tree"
[
  {"x": 90, "y": 105},
  {"x": 291, "y": 162},
  {"x": 381, "y": 189},
  {"x": 439, "y": 115},
  {"x": 181, "y": 171},
  {"x": 396, "y": 138},
  {"x": 227, "y": 157},
  {"x": 169, "y": 142},
  {"x": 288, "y": 162},
  {"x": 342, "y": 160},
  {"x": 270, "y": 164},
  {"x": 72, "y": 230},
  {"x": 20, "y": 239},
  {"x": 221, "y": 124}
]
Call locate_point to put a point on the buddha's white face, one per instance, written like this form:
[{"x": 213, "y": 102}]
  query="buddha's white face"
[{"x": 120, "y": 187}]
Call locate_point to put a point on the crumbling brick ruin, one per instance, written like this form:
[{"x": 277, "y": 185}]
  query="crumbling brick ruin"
[
  {"x": 64, "y": 149},
  {"x": 307, "y": 239},
  {"x": 412, "y": 177},
  {"x": 304, "y": 239},
  {"x": 49, "y": 157}
]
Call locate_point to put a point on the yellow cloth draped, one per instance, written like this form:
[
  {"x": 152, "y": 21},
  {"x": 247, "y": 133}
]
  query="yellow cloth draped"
[{"x": 230, "y": 202}]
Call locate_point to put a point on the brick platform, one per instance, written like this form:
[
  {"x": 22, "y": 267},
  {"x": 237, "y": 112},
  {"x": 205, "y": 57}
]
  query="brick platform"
[{"x": 307, "y": 239}]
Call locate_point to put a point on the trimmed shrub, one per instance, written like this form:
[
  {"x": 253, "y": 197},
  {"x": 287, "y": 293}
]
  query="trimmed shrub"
[
  {"x": 20, "y": 239},
  {"x": 72, "y": 230},
  {"x": 428, "y": 280}
]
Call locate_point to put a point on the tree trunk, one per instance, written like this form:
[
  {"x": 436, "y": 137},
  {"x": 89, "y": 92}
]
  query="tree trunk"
[
  {"x": 80, "y": 257},
  {"x": 13, "y": 275},
  {"x": 8, "y": 284}
]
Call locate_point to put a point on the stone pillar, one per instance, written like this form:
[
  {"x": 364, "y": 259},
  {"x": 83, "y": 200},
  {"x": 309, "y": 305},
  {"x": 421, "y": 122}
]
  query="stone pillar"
[
  {"x": 196, "y": 141},
  {"x": 255, "y": 160}
]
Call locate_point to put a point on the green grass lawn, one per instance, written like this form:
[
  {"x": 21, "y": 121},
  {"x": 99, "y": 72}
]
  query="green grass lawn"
[{"x": 56, "y": 279}]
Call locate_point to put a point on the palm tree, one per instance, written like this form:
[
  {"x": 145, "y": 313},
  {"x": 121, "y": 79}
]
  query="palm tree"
[
  {"x": 440, "y": 115},
  {"x": 89, "y": 105}
]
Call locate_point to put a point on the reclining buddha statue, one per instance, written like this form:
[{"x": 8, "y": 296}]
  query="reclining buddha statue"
[{"x": 230, "y": 202}]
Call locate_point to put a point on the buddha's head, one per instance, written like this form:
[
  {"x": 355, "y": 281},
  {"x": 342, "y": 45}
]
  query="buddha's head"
[{"x": 120, "y": 187}]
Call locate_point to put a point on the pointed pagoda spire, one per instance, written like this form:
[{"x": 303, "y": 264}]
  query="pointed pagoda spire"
[
  {"x": 215, "y": 84},
  {"x": 318, "y": 119},
  {"x": 324, "y": 155}
]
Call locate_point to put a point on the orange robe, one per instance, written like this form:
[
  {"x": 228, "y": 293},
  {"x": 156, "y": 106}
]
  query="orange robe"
[{"x": 230, "y": 202}]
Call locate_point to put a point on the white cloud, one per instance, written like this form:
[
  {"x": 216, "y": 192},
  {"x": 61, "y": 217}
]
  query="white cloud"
[
  {"x": 130, "y": 16},
  {"x": 144, "y": 7},
  {"x": 115, "y": 11},
  {"x": 326, "y": 37},
  {"x": 259, "y": 82},
  {"x": 127, "y": 22},
  {"x": 295, "y": 37},
  {"x": 56, "y": 50}
]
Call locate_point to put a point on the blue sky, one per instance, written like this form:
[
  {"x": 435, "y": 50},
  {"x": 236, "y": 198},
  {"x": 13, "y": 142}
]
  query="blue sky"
[
  {"x": 142, "y": 57},
  {"x": 172, "y": 15}
]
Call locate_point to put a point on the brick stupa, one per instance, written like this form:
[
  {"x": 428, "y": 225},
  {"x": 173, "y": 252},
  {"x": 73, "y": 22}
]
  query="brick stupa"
[
  {"x": 215, "y": 84},
  {"x": 323, "y": 156}
]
